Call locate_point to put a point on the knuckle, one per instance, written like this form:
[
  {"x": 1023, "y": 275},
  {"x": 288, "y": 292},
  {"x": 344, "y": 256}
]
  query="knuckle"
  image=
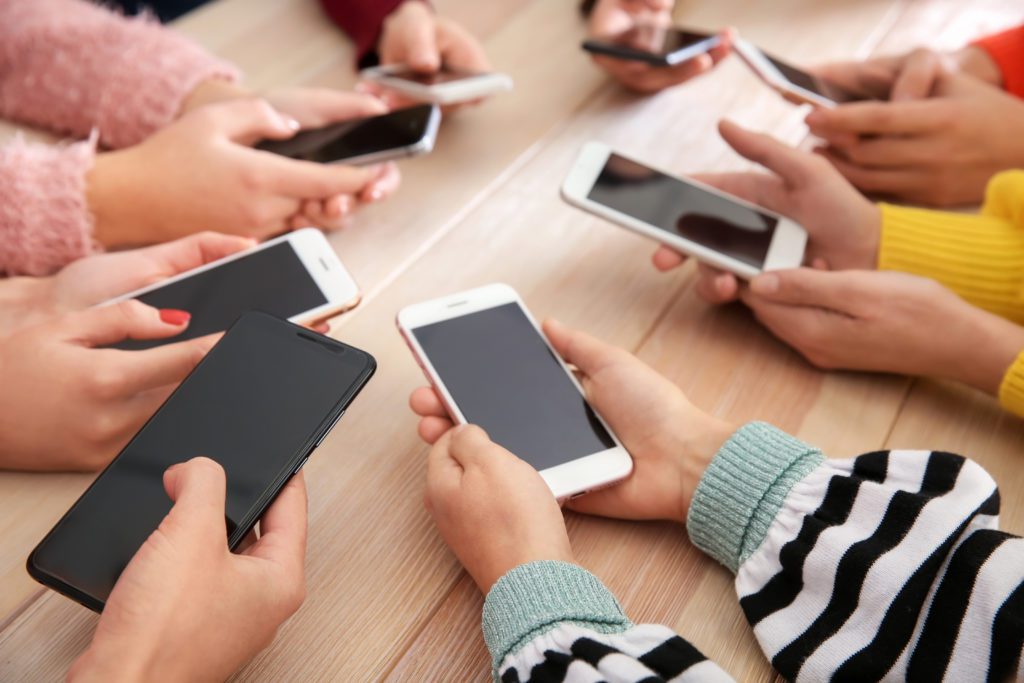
[
  {"x": 102, "y": 429},
  {"x": 108, "y": 383}
]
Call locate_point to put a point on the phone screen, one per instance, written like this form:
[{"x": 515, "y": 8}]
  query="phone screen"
[
  {"x": 504, "y": 378},
  {"x": 351, "y": 139},
  {"x": 255, "y": 405},
  {"x": 272, "y": 280},
  {"x": 684, "y": 210},
  {"x": 659, "y": 40},
  {"x": 811, "y": 83}
]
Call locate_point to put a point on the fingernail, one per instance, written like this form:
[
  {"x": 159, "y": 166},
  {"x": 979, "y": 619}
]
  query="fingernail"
[
  {"x": 814, "y": 118},
  {"x": 292, "y": 123},
  {"x": 765, "y": 283},
  {"x": 376, "y": 194},
  {"x": 173, "y": 316},
  {"x": 344, "y": 205}
]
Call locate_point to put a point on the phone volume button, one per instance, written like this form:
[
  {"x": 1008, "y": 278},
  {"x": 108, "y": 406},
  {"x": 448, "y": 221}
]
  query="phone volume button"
[{"x": 301, "y": 465}]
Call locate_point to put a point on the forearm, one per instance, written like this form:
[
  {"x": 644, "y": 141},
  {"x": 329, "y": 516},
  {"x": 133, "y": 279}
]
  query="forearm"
[
  {"x": 559, "y": 615},
  {"x": 44, "y": 217},
  {"x": 70, "y": 66},
  {"x": 844, "y": 565}
]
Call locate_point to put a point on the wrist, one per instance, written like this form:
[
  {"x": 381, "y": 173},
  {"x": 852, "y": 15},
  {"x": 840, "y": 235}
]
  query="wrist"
[
  {"x": 976, "y": 61},
  {"x": 109, "y": 667},
  {"x": 986, "y": 348},
  {"x": 110, "y": 195},
  {"x": 871, "y": 217},
  {"x": 697, "y": 449}
]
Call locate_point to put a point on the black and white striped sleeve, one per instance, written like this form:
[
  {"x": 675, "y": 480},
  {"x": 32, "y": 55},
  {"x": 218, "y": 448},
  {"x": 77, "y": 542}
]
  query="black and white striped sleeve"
[
  {"x": 548, "y": 622},
  {"x": 887, "y": 566}
]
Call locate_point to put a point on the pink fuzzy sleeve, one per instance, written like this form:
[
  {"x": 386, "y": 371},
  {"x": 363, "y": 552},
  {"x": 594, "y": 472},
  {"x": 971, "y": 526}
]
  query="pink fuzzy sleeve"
[
  {"x": 44, "y": 220},
  {"x": 70, "y": 66}
]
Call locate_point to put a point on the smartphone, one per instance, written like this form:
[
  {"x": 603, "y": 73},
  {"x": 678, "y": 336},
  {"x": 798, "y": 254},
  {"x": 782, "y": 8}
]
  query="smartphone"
[
  {"x": 296, "y": 276},
  {"x": 713, "y": 227},
  {"x": 401, "y": 133},
  {"x": 447, "y": 86},
  {"x": 794, "y": 84},
  {"x": 490, "y": 363},
  {"x": 259, "y": 404},
  {"x": 655, "y": 45}
]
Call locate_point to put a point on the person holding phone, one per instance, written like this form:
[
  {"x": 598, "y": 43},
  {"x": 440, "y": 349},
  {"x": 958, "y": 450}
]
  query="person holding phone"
[
  {"x": 911, "y": 576},
  {"x": 156, "y": 120},
  {"x": 955, "y": 272},
  {"x": 158, "y": 623},
  {"x": 952, "y": 121},
  {"x": 409, "y": 32},
  {"x": 614, "y": 17}
]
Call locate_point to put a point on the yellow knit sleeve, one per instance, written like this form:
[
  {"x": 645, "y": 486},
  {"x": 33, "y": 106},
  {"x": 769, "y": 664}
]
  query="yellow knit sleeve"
[
  {"x": 1011, "y": 391},
  {"x": 980, "y": 257}
]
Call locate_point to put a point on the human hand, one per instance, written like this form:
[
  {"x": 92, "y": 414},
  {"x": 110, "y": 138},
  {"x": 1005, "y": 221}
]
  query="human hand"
[
  {"x": 417, "y": 37},
  {"x": 66, "y": 404},
  {"x": 940, "y": 151},
  {"x": 311, "y": 108},
  {"x": 186, "y": 608},
  {"x": 670, "y": 440},
  {"x": 200, "y": 173},
  {"x": 884, "y": 321},
  {"x": 843, "y": 227},
  {"x": 913, "y": 75},
  {"x": 612, "y": 17},
  {"x": 492, "y": 509}
]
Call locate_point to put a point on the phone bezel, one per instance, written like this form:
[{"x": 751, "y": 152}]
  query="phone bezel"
[
  {"x": 785, "y": 251},
  {"x": 606, "y": 45},
  {"x": 469, "y": 88},
  {"x": 317, "y": 257},
  {"x": 571, "y": 478},
  {"x": 755, "y": 58},
  {"x": 274, "y": 486}
]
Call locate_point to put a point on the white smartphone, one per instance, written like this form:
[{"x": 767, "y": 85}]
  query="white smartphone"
[
  {"x": 401, "y": 133},
  {"x": 713, "y": 227},
  {"x": 796, "y": 85},
  {"x": 296, "y": 276},
  {"x": 491, "y": 365},
  {"x": 447, "y": 86}
]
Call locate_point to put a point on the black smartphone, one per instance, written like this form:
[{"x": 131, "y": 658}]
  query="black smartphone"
[
  {"x": 259, "y": 404},
  {"x": 400, "y": 133},
  {"x": 656, "y": 45}
]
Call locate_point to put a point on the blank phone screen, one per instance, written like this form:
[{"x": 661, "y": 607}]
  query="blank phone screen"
[
  {"x": 272, "y": 280},
  {"x": 350, "y": 139},
  {"x": 811, "y": 83},
  {"x": 504, "y": 378},
  {"x": 255, "y": 405},
  {"x": 685, "y": 210}
]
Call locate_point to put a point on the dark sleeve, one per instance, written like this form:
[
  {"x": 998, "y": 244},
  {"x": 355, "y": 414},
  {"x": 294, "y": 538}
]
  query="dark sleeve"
[{"x": 362, "y": 20}]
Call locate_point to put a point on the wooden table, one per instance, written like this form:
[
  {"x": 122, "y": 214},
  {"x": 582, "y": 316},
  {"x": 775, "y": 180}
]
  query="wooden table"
[{"x": 386, "y": 598}]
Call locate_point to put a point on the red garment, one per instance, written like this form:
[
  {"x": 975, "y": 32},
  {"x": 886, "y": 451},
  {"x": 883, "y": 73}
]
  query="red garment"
[
  {"x": 1007, "y": 50},
  {"x": 362, "y": 21}
]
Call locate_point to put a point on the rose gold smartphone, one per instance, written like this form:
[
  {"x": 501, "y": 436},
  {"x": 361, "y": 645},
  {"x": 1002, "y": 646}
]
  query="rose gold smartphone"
[{"x": 490, "y": 363}]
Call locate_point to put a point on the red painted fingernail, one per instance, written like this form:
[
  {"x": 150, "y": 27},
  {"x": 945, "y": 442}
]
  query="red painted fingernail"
[{"x": 173, "y": 316}]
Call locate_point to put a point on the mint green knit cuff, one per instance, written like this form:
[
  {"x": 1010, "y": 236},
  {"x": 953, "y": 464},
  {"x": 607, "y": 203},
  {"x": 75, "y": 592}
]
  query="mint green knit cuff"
[
  {"x": 743, "y": 490},
  {"x": 537, "y": 597}
]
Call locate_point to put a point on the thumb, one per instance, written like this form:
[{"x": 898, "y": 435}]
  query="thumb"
[
  {"x": 794, "y": 166},
  {"x": 248, "y": 121},
  {"x": 832, "y": 290},
  {"x": 469, "y": 445},
  {"x": 579, "y": 348},
  {"x": 420, "y": 47},
  {"x": 106, "y": 325},
  {"x": 198, "y": 488},
  {"x": 917, "y": 77}
]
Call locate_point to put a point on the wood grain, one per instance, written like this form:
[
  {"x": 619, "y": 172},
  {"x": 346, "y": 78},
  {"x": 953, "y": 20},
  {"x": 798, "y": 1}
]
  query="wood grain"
[{"x": 385, "y": 595}]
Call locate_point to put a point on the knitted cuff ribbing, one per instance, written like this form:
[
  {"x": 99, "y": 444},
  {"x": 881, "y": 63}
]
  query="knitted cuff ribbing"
[
  {"x": 534, "y": 598},
  {"x": 743, "y": 489}
]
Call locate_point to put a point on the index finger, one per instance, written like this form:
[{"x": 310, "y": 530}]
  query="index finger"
[
  {"x": 163, "y": 365},
  {"x": 196, "y": 250},
  {"x": 880, "y": 118}
]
